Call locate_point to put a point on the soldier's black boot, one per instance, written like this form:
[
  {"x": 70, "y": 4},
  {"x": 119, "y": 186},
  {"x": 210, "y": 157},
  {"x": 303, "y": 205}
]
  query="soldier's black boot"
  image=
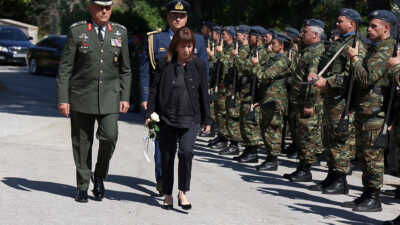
[
  {"x": 98, "y": 190},
  {"x": 222, "y": 143},
  {"x": 249, "y": 155},
  {"x": 270, "y": 164},
  {"x": 356, "y": 201},
  {"x": 326, "y": 182},
  {"x": 337, "y": 186},
  {"x": 302, "y": 174},
  {"x": 81, "y": 196},
  {"x": 233, "y": 149},
  {"x": 393, "y": 222},
  {"x": 371, "y": 203}
]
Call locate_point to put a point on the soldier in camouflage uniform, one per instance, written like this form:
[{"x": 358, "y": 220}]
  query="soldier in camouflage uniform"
[
  {"x": 272, "y": 99},
  {"x": 250, "y": 129},
  {"x": 225, "y": 58},
  {"x": 372, "y": 76},
  {"x": 240, "y": 52},
  {"x": 306, "y": 101},
  {"x": 333, "y": 85}
]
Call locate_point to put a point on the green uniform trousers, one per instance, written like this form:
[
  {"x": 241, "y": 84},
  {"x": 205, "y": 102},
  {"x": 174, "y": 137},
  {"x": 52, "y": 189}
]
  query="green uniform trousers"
[
  {"x": 250, "y": 130},
  {"x": 82, "y": 131}
]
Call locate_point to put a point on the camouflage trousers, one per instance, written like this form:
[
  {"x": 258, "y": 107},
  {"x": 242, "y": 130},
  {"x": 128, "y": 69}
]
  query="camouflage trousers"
[
  {"x": 221, "y": 115},
  {"x": 272, "y": 126},
  {"x": 308, "y": 135},
  {"x": 233, "y": 121},
  {"x": 341, "y": 147},
  {"x": 371, "y": 158},
  {"x": 250, "y": 130}
]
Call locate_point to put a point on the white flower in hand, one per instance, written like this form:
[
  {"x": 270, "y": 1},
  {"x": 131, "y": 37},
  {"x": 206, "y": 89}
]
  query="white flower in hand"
[{"x": 155, "y": 117}]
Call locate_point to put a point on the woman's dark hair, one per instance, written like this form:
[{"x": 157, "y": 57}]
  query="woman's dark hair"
[{"x": 182, "y": 35}]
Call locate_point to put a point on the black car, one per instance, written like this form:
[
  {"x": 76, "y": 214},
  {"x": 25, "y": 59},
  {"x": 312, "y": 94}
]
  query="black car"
[
  {"x": 45, "y": 55},
  {"x": 14, "y": 45}
]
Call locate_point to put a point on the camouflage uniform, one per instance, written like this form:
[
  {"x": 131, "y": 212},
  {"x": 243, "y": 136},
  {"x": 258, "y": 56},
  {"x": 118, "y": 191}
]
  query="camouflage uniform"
[
  {"x": 308, "y": 128},
  {"x": 250, "y": 130},
  {"x": 339, "y": 145},
  {"x": 233, "y": 122},
  {"x": 371, "y": 75},
  {"x": 273, "y": 100}
]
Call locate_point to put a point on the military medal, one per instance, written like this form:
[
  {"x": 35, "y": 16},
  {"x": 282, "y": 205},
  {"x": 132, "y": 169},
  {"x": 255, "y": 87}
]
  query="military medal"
[
  {"x": 116, "y": 43},
  {"x": 115, "y": 59}
]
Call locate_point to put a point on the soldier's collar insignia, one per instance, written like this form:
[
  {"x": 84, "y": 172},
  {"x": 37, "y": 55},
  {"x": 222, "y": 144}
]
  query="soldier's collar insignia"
[
  {"x": 90, "y": 27},
  {"x": 179, "y": 6}
]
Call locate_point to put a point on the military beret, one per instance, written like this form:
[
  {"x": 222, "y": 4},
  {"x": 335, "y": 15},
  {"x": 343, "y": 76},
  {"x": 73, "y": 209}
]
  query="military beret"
[
  {"x": 291, "y": 32},
  {"x": 230, "y": 30},
  {"x": 178, "y": 6},
  {"x": 244, "y": 29},
  {"x": 314, "y": 23},
  {"x": 282, "y": 38},
  {"x": 102, "y": 2},
  {"x": 258, "y": 31},
  {"x": 351, "y": 14},
  {"x": 385, "y": 15},
  {"x": 272, "y": 31},
  {"x": 217, "y": 28}
]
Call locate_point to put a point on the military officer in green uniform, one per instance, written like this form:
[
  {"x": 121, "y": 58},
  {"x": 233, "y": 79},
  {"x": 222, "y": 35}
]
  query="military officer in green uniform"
[{"x": 93, "y": 84}]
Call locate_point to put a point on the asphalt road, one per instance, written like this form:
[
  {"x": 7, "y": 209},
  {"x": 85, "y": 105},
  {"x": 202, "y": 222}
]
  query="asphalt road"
[{"x": 37, "y": 176}]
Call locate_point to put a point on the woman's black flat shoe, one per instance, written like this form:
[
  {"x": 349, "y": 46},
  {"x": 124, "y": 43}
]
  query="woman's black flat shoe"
[{"x": 185, "y": 207}]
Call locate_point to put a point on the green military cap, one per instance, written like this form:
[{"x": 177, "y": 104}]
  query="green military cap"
[{"x": 102, "y": 2}]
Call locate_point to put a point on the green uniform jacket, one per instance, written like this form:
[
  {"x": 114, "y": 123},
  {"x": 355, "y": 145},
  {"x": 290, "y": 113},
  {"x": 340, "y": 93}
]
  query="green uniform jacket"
[{"x": 94, "y": 76}]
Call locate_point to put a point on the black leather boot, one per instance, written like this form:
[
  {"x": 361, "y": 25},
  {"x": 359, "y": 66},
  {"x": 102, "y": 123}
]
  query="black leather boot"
[
  {"x": 233, "y": 149},
  {"x": 249, "y": 155},
  {"x": 81, "y": 196},
  {"x": 356, "y": 201},
  {"x": 371, "y": 203},
  {"x": 302, "y": 174},
  {"x": 393, "y": 222},
  {"x": 98, "y": 190},
  {"x": 270, "y": 164},
  {"x": 222, "y": 143},
  {"x": 337, "y": 186},
  {"x": 326, "y": 182}
]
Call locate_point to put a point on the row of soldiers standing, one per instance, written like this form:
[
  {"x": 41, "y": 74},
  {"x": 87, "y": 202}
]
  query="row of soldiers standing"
[{"x": 332, "y": 96}]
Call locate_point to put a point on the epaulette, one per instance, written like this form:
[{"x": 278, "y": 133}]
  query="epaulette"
[
  {"x": 154, "y": 32},
  {"x": 151, "y": 46},
  {"x": 78, "y": 23},
  {"x": 118, "y": 25}
]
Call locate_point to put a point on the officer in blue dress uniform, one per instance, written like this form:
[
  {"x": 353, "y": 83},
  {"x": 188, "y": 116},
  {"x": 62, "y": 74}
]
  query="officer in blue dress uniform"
[{"x": 156, "y": 48}]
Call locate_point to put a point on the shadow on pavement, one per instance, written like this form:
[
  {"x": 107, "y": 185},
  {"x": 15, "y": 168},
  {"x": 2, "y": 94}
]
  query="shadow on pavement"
[{"x": 64, "y": 190}]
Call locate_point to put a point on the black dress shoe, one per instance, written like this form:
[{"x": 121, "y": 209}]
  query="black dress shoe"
[
  {"x": 98, "y": 190},
  {"x": 393, "y": 222},
  {"x": 167, "y": 206},
  {"x": 81, "y": 196},
  {"x": 185, "y": 207}
]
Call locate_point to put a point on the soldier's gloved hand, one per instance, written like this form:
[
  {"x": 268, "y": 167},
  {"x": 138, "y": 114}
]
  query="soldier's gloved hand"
[
  {"x": 308, "y": 111},
  {"x": 64, "y": 109},
  {"x": 124, "y": 106}
]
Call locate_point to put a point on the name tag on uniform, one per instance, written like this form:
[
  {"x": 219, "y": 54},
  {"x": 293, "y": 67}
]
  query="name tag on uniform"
[{"x": 116, "y": 43}]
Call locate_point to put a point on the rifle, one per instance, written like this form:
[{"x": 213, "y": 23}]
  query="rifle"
[
  {"x": 252, "y": 113},
  {"x": 383, "y": 138},
  {"x": 343, "y": 126},
  {"x": 217, "y": 74},
  {"x": 235, "y": 73}
]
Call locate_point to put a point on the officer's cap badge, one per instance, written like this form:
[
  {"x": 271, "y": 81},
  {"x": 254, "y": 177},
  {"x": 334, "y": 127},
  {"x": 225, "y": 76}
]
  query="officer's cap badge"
[{"x": 179, "y": 6}]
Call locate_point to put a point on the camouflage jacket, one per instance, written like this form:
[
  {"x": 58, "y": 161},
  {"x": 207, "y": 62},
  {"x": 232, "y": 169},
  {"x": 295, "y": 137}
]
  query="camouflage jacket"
[
  {"x": 373, "y": 77},
  {"x": 339, "y": 70},
  {"x": 272, "y": 80},
  {"x": 307, "y": 62}
]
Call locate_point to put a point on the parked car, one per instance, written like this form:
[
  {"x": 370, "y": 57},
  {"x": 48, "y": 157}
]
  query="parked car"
[
  {"x": 45, "y": 55},
  {"x": 14, "y": 45}
]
